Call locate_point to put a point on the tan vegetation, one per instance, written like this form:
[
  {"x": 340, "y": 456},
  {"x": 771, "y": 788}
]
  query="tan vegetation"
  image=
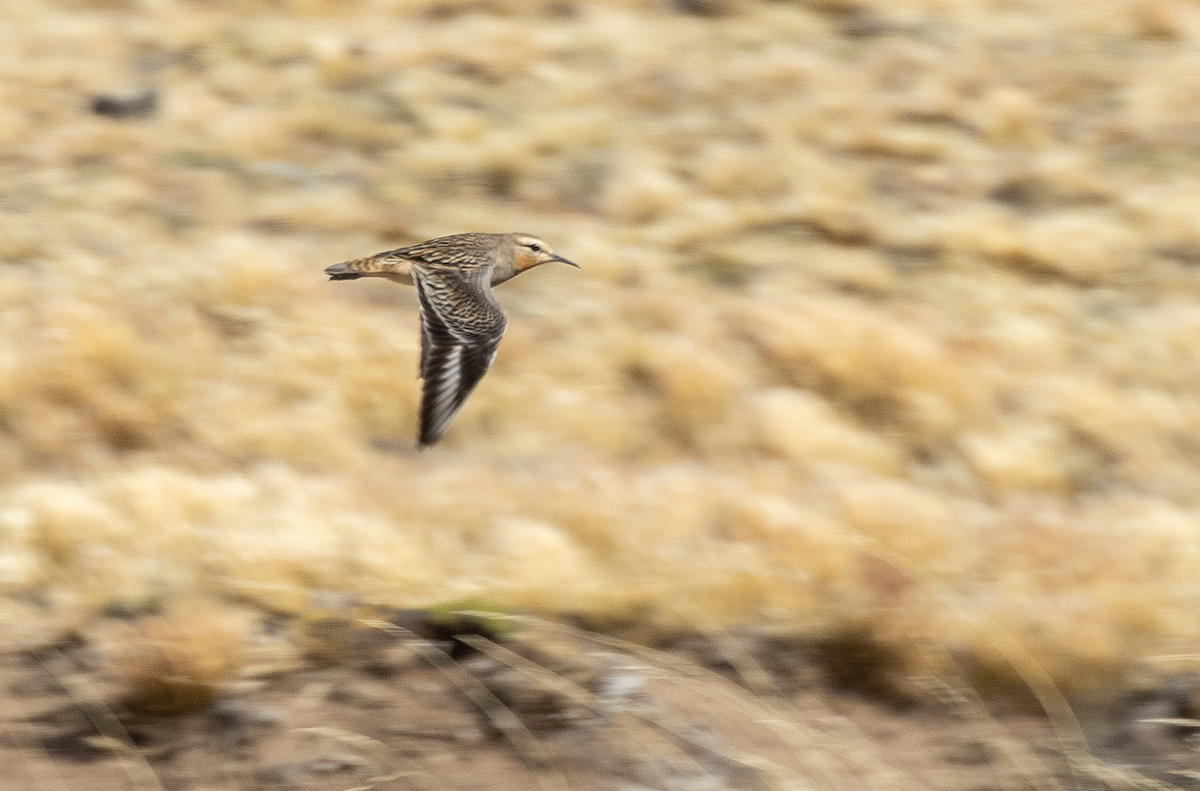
[
  {"x": 177, "y": 662},
  {"x": 889, "y": 315}
]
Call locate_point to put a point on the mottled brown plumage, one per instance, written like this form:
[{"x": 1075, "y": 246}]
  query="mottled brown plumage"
[{"x": 461, "y": 322}]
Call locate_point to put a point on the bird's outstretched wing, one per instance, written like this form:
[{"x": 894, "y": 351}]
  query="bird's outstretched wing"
[{"x": 461, "y": 326}]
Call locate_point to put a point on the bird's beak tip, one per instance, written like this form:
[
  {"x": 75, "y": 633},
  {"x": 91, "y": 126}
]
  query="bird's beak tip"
[
  {"x": 562, "y": 260},
  {"x": 338, "y": 272}
]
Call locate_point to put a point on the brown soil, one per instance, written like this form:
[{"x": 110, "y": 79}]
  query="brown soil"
[{"x": 373, "y": 706}]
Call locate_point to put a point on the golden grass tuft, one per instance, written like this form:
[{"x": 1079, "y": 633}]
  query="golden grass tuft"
[
  {"x": 698, "y": 390},
  {"x": 1025, "y": 459},
  {"x": 643, "y": 192},
  {"x": 800, "y": 426},
  {"x": 175, "y": 663}
]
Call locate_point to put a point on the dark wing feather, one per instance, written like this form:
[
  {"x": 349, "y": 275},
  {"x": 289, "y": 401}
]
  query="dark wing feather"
[{"x": 461, "y": 326}]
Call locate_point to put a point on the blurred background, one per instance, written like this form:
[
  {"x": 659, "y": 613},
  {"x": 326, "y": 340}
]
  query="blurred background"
[{"x": 888, "y": 317}]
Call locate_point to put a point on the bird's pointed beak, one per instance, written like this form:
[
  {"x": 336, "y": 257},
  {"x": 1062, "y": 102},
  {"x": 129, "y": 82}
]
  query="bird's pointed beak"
[
  {"x": 562, "y": 260},
  {"x": 340, "y": 272}
]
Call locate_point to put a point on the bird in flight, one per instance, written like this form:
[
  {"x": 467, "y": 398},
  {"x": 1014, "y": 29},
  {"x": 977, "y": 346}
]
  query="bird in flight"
[{"x": 461, "y": 322}]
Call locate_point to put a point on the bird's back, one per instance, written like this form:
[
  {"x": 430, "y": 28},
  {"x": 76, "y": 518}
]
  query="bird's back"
[{"x": 460, "y": 251}]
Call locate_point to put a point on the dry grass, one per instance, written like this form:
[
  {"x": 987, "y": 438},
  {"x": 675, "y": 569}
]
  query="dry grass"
[
  {"x": 175, "y": 663},
  {"x": 916, "y": 282}
]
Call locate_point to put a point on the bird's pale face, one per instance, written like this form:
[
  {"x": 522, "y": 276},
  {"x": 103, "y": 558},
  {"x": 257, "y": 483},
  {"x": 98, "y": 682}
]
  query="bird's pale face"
[{"x": 531, "y": 251}]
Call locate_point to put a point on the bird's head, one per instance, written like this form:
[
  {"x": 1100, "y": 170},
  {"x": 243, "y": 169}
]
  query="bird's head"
[{"x": 530, "y": 251}]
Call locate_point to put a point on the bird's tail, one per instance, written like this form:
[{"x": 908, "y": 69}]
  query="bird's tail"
[{"x": 378, "y": 265}]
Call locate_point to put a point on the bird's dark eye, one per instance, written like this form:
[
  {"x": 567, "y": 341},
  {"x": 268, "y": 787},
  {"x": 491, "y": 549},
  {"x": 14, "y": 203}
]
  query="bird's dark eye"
[{"x": 535, "y": 247}]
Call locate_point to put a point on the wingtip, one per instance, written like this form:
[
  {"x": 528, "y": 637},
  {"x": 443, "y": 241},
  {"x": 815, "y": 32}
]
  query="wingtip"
[{"x": 429, "y": 435}]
